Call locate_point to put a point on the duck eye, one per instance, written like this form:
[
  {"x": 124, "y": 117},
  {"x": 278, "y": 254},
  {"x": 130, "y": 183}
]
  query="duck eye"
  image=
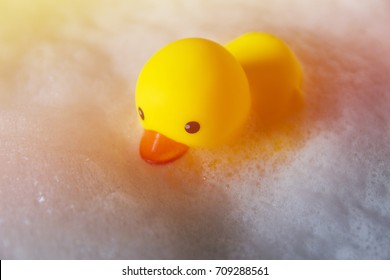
[
  {"x": 192, "y": 127},
  {"x": 141, "y": 113}
]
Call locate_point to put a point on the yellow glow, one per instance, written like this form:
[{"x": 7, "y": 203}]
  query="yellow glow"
[
  {"x": 24, "y": 22},
  {"x": 22, "y": 19}
]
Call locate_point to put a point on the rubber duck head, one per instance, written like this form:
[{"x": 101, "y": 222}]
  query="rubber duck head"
[{"x": 191, "y": 93}]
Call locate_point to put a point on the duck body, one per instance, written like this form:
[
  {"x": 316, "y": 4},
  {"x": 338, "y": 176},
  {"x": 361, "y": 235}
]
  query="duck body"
[
  {"x": 273, "y": 72},
  {"x": 196, "y": 93}
]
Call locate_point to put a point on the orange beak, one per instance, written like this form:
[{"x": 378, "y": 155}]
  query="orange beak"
[{"x": 156, "y": 148}]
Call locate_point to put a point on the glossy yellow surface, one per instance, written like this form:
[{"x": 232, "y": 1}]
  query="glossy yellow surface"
[
  {"x": 193, "y": 80},
  {"x": 273, "y": 72}
]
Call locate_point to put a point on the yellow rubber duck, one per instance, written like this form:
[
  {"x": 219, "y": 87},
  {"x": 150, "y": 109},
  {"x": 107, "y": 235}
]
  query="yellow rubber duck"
[{"x": 196, "y": 93}]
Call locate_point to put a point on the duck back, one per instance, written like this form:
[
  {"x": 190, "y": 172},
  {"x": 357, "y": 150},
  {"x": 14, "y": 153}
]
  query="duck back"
[{"x": 273, "y": 72}]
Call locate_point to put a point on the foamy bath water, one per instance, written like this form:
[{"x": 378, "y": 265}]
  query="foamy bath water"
[{"x": 72, "y": 184}]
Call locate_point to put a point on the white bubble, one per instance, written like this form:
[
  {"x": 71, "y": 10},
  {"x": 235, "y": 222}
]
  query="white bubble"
[{"x": 41, "y": 198}]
